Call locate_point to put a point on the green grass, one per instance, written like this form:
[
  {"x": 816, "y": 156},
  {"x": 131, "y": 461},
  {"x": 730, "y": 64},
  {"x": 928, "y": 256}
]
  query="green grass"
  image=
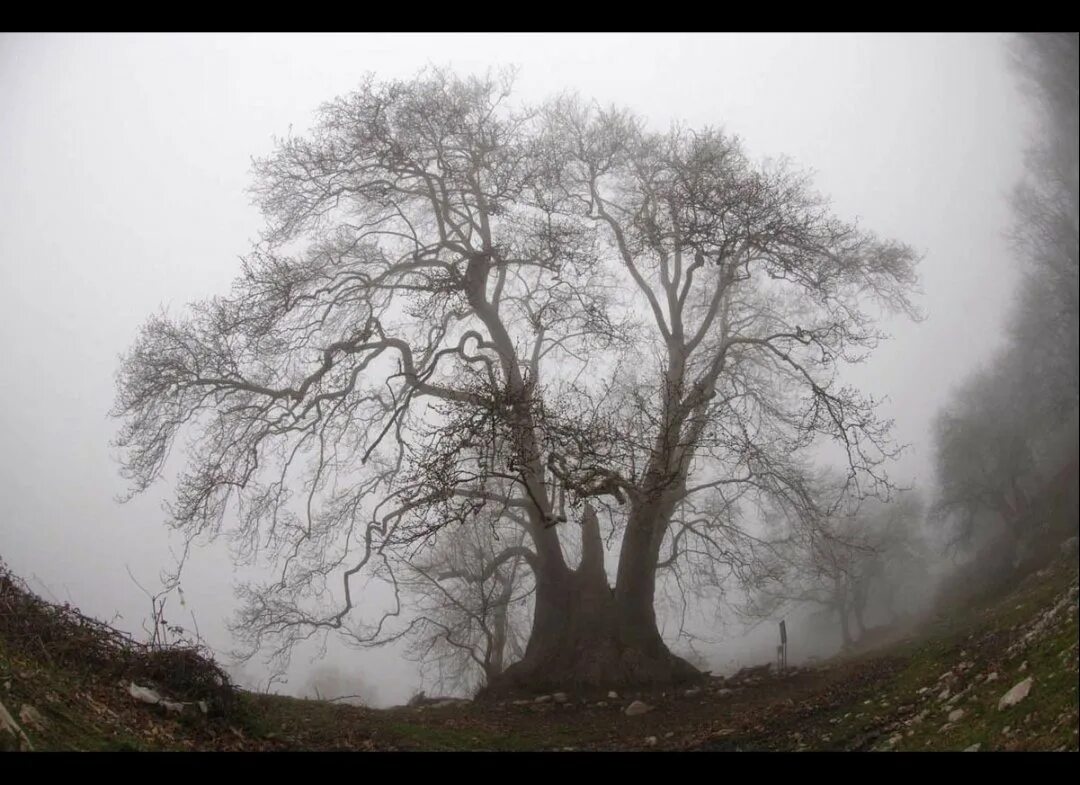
[
  {"x": 866, "y": 702},
  {"x": 1045, "y": 720}
]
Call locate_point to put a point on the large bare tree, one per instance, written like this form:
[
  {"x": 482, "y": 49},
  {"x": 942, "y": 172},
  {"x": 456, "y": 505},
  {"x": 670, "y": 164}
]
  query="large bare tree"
[{"x": 553, "y": 312}]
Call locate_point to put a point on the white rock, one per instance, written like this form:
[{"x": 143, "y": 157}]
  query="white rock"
[
  {"x": 637, "y": 708},
  {"x": 28, "y": 715},
  {"x": 944, "y": 694},
  {"x": 973, "y": 748},
  {"x": 612, "y": 695},
  {"x": 991, "y": 676},
  {"x": 147, "y": 695},
  {"x": 1016, "y": 694},
  {"x": 560, "y": 697},
  {"x": 601, "y": 704},
  {"x": 692, "y": 691},
  {"x": 9, "y": 725},
  {"x": 1023, "y": 666},
  {"x": 650, "y": 741},
  {"x": 542, "y": 699},
  {"x": 144, "y": 694},
  {"x": 955, "y": 715}
]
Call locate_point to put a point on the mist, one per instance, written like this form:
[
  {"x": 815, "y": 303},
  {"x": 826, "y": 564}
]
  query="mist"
[{"x": 128, "y": 165}]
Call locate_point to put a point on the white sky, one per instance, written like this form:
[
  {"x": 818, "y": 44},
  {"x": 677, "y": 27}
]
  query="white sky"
[{"x": 123, "y": 166}]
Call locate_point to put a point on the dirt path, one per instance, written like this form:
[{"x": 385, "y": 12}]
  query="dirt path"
[{"x": 939, "y": 691}]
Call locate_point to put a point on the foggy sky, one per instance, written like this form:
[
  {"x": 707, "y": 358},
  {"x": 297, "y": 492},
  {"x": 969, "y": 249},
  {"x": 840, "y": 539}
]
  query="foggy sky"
[{"x": 123, "y": 166}]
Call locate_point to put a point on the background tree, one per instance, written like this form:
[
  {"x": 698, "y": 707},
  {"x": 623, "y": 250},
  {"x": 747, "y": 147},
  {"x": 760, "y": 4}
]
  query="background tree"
[
  {"x": 329, "y": 682},
  {"x": 1009, "y": 434},
  {"x": 853, "y": 563},
  {"x": 984, "y": 457},
  {"x": 470, "y": 613},
  {"x": 1044, "y": 324},
  {"x": 554, "y": 312}
]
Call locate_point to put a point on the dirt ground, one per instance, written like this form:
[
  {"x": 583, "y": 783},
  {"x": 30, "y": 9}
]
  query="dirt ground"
[{"x": 940, "y": 689}]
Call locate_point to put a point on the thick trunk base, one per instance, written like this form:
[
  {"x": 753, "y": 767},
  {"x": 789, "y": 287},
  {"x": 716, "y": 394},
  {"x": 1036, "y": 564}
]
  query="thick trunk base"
[
  {"x": 582, "y": 643},
  {"x": 595, "y": 666}
]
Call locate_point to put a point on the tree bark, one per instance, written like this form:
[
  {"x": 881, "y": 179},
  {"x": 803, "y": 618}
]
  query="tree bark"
[
  {"x": 860, "y": 627},
  {"x": 845, "y": 628},
  {"x": 587, "y": 636}
]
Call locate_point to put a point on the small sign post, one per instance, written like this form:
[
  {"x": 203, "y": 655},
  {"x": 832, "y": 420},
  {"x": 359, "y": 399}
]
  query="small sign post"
[{"x": 781, "y": 650}]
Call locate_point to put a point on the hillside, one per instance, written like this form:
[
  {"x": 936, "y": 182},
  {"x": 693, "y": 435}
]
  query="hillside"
[{"x": 66, "y": 683}]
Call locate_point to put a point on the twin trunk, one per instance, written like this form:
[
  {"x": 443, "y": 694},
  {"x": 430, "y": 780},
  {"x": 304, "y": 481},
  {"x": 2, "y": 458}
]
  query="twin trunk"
[{"x": 588, "y": 636}]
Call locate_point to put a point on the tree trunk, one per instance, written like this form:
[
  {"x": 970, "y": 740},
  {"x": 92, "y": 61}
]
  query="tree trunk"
[
  {"x": 860, "y": 627},
  {"x": 845, "y": 627},
  {"x": 582, "y": 639},
  {"x": 859, "y": 599},
  {"x": 841, "y": 601},
  {"x": 496, "y": 653},
  {"x": 586, "y": 636}
]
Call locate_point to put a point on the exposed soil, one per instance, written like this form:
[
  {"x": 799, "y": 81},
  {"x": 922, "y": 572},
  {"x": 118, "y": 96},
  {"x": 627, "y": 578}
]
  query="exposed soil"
[{"x": 938, "y": 690}]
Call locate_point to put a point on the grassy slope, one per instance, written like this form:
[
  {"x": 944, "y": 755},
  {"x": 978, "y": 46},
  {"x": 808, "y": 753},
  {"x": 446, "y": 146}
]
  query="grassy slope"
[
  {"x": 889, "y": 699},
  {"x": 1031, "y": 632}
]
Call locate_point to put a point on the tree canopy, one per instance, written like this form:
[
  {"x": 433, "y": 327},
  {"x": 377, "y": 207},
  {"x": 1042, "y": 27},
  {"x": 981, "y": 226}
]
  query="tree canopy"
[{"x": 550, "y": 314}]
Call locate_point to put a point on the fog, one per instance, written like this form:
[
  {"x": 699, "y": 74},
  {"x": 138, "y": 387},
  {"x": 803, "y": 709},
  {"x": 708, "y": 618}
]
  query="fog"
[{"x": 124, "y": 164}]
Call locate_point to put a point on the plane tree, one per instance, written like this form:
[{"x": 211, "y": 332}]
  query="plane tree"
[{"x": 551, "y": 314}]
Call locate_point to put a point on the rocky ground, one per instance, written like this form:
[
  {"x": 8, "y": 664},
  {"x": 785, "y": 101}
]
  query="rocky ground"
[{"x": 997, "y": 676}]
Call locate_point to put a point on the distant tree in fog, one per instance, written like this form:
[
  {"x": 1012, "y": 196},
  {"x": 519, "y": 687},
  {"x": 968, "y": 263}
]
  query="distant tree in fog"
[
  {"x": 332, "y": 683},
  {"x": 470, "y": 611},
  {"x": 859, "y": 558},
  {"x": 1008, "y": 435},
  {"x": 1044, "y": 325},
  {"x": 983, "y": 455}
]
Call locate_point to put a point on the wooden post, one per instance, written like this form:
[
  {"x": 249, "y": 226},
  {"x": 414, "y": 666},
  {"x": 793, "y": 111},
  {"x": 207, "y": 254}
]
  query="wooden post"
[{"x": 781, "y": 650}]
